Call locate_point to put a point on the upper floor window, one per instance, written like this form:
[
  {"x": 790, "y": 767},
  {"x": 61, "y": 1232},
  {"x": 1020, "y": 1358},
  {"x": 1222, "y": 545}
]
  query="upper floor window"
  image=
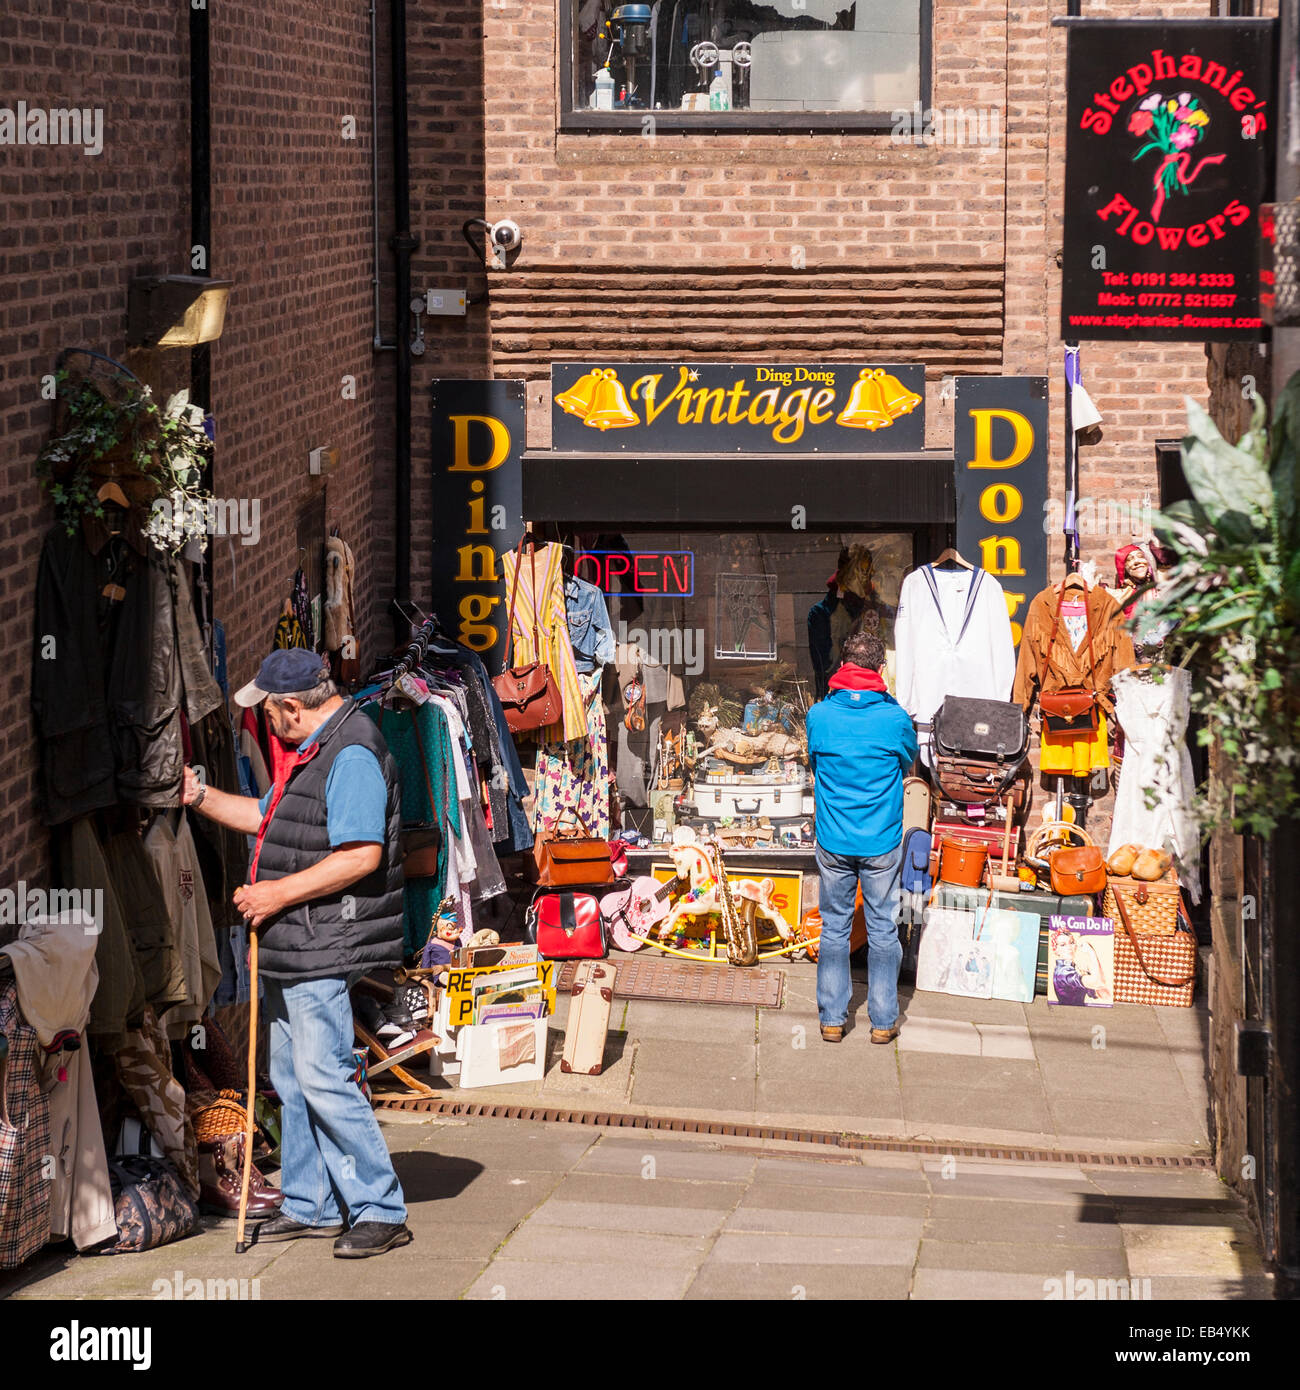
[{"x": 726, "y": 64}]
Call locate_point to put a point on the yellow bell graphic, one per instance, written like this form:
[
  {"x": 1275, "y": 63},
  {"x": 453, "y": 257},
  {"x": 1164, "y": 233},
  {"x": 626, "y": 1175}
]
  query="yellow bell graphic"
[
  {"x": 609, "y": 408},
  {"x": 898, "y": 399},
  {"x": 866, "y": 408},
  {"x": 577, "y": 399}
]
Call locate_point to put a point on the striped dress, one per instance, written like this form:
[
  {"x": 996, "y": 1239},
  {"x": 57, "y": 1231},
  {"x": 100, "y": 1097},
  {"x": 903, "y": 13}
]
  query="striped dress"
[{"x": 545, "y": 605}]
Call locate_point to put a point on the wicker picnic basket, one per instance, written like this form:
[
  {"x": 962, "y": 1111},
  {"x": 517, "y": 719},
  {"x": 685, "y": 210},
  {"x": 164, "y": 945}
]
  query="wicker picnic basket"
[
  {"x": 1153, "y": 968},
  {"x": 1152, "y": 907}
]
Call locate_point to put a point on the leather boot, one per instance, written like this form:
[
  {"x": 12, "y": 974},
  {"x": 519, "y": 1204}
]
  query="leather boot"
[{"x": 221, "y": 1175}]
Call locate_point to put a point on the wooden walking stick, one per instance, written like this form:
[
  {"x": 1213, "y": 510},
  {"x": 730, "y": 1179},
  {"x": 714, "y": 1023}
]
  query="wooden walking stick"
[{"x": 240, "y": 1244}]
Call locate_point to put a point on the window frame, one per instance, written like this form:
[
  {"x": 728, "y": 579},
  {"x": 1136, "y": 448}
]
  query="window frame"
[{"x": 587, "y": 122}]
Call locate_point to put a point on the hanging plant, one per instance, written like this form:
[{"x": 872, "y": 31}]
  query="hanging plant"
[
  {"x": 114, "y": 430},
  {"x": 1235, "y": 595}
]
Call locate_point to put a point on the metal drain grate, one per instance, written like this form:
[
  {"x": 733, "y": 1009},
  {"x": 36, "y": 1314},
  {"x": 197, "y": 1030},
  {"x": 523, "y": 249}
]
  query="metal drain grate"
[
  {"x": 688, "y": 983},
  {"x": 461, "y": 1109}
]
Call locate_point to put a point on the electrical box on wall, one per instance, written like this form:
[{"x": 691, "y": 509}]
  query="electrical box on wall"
[
  {"x": 444, "y": 301},
  {"x": 322, "y": 461}
]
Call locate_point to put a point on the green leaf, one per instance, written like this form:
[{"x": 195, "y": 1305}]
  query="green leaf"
[{"x": 1229, "y": 483}]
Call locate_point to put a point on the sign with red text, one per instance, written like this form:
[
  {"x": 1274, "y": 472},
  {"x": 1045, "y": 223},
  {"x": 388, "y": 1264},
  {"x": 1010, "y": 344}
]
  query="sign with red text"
[
  {"x": 661, "y": 573},
  {"x": 1169, "y": 127},
  {"x": 1000, "y": 448},
  {"x": 478, "y": 436}
]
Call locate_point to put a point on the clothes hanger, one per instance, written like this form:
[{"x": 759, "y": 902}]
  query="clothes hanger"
[
  {"x": 111, "y": 492},
  {"x": 951, "y": 556},
  {"x": 1075, "y": 580}
]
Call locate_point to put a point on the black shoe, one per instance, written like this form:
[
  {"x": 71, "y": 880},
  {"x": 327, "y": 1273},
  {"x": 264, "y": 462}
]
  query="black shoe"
[
  {"x": 286, "y": 1228},
  {"x": 371, "y": 1238}
]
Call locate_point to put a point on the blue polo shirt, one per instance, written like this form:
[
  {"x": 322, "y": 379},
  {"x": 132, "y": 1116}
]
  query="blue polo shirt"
[
  {"x": 356, "y": 796},
  {"x": 861, "y": 744}
]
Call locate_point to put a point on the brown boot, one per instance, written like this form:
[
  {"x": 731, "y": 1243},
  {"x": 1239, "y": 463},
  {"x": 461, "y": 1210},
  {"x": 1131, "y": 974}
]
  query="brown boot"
[
  {"x": 832, "y": 1032},
  {"x": 221, "y": 1176},
  {"x": 885, "y": 1035}
]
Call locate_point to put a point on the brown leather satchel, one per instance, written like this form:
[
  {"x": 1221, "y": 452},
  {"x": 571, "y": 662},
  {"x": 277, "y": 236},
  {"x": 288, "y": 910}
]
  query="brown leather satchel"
[
  {"x": 529, "y": 696},
  {"x": 563, "y": 860},
  {"x": 1078, "y": 869},
  {"x": 1073, "y": 708}
]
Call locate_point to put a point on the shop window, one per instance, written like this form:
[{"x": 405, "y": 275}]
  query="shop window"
[
  {"x": 717, "y": 664},
  {"x": 726, "y": 64}
]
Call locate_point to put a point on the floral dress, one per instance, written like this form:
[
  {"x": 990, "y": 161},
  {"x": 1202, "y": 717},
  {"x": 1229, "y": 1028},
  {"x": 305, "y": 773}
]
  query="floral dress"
[{"x": 573, "y": 775}]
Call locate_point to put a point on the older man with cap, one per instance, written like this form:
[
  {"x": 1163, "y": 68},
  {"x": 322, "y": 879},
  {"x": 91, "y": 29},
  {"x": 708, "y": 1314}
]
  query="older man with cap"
[{"x": 325, "y": 896}]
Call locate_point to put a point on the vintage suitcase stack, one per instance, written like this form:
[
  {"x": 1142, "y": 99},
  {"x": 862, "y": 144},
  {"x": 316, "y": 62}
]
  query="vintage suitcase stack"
[{"x": 589, "y": 1009}]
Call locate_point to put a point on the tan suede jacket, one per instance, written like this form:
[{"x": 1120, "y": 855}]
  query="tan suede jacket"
[{"x": 1111, "y": 646}]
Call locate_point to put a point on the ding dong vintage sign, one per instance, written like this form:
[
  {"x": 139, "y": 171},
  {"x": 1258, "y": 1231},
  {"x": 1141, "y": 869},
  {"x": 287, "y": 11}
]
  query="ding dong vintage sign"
[
  {"x": 478, "y": 435},
  {"x": 1169, "y": 125},
  {"x": 711, "y": 407}
]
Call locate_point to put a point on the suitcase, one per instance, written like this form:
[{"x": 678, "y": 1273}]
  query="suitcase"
[
  {"x": 1045, "y": 905},
  {"x": 584, "y": 1037}
]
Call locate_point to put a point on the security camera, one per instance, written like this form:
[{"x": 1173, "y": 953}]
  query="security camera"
[{"x": 506, "y": 235}]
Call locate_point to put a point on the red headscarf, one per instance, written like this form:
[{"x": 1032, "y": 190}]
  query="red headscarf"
[{"x": 1121, "y": 571}]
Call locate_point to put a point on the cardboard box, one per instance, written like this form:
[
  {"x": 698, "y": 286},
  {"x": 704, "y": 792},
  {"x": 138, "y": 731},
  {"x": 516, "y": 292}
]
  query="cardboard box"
[{"x": 498, "y": 1054}]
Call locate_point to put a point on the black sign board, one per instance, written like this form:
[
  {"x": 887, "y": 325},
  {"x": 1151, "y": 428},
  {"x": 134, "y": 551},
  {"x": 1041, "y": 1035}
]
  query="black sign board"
[
  {"x": 1168, "y": 130},
  {"x": 1000, "y": 445},
  {"x": 478, "y": 437},
  {"x": 747, "y": 407}
]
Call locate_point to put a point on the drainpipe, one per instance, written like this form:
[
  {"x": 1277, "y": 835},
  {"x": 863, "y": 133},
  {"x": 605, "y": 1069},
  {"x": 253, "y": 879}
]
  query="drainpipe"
[
  {"x": 380, "y": 344},
  {"x": 404, "y": 245},
  {"x": 201, "y": 235}
]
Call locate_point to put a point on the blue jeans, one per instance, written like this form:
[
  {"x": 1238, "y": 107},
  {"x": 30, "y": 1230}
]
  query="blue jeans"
[
  {"x": 879, "y": 877},
  {"x": 332, "y": 1154}
]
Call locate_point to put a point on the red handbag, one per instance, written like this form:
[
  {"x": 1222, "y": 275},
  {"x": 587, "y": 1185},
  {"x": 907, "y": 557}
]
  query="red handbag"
[
  {"x": 529, "y": 696},
  {"x": 567, "y": 926}
]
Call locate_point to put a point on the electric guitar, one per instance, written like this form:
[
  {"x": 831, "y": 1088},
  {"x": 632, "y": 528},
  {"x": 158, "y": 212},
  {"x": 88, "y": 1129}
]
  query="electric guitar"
[{"x": 637, "y": 909}]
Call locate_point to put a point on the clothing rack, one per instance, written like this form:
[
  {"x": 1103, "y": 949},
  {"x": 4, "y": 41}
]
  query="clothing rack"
[{"x": 415, "y": 653}]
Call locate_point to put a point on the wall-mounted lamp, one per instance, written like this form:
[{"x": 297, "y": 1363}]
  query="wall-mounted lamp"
[{"x": 169, "y": 311}]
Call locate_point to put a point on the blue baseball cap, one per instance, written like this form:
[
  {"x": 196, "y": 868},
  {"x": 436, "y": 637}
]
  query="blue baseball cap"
[{"x": 284, "y": 672}]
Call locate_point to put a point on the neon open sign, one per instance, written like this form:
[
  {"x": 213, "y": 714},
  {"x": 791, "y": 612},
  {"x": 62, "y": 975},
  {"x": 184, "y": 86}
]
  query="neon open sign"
[{"x": 666, "y": 572}]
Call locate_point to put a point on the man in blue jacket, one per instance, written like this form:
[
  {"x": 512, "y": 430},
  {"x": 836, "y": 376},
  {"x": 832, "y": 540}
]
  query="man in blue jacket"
[{"x": 861, "y": 744}]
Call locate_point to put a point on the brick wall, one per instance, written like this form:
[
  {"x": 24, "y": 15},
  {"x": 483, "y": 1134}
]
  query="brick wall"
[
  {"x": 291, "y": 210},
  {"x": 73, "y": 229}
]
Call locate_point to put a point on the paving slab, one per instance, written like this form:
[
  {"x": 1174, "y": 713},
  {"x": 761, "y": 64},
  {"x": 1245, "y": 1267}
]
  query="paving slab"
[
  {"x": 1226, "y": 1249},
  {"x": 536, "y": 1242},
  {"x": 1100, "y": 1080},
  {"x": 918, "y": 1004},
  {"x": 1013, "y": 1188},
  {"x": 1087, "y": 1261},
  {"x": 1137, "y": 1120},
  {"x": 701, "y": 1023},
  {"x": 668, "y": 1162},
  {"x": 1017, "y": 1230},
  {"x": 817, "y": 1197},
  {"x": 743, "y": 1247},
  {"x": 673, "y": 1074},
  {"x": 960, "y": 1285},
  {"x": 720, "y": 1279},
  {"x": 658, "y": 1191},
  {"x": 950, "y": 1036},
  {"x": 973, "y": 1073},
  {"x": 440, "y": 1278},
  {"x": 852, "y": 1106},
  {"x": 623, "y": 1280},
  {"x": 1024, "y": 1112},
  {"x": 1219, "y": 1289},
  {"x": 861, "y": 1176},
  {"x": 662, "y": 1216},
  {"x": 1005, "y": 1040},
  {"x": 786, "y": 1221}
]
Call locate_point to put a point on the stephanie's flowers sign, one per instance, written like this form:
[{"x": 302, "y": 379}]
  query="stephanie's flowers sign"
[{"x": 1165, "y": 162}]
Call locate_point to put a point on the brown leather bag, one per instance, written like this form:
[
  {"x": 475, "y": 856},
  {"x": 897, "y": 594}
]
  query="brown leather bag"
[
  {"x": 529, "y": 696},
  {"x": 1078, "y": 869},
  {"x": 563, "y": 860},
  {"x": 1073, "y": 708}
]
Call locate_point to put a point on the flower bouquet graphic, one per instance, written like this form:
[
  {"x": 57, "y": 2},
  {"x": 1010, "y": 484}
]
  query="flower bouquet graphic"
[{"x": 1172, "y": 127}]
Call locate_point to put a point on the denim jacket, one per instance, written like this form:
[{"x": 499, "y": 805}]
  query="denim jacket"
[{"x": 590, "y": 634}]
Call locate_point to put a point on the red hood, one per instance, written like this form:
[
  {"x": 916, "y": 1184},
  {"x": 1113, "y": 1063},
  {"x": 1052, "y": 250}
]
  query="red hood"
[{"x": 851, "y": 677}]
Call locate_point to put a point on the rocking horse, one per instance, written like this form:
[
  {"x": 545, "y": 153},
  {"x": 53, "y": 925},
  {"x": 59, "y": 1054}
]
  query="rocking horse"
[{"x": 710, "y": 892}]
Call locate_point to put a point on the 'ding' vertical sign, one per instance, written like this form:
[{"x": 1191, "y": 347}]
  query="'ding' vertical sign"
[
  {"x": 1000, "y": 444},
  {"x": 478, "y": 436}
]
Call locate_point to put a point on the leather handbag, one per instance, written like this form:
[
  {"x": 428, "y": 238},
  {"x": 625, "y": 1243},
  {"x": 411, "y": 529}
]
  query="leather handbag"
[
  {"x": 529, "y": 696},
  {"x": 1073, "y": 708},
  {"x": 1078, "y": 869},
  {"x": 563, "y": 860},
  {"x": 567, "y": 926},
  {"x": 150, "y": 1205},
  {"x": 989, "y": 730}
]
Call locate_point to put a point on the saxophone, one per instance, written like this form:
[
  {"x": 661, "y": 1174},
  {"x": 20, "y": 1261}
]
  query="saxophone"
[{"x": 737, "y": 924}]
